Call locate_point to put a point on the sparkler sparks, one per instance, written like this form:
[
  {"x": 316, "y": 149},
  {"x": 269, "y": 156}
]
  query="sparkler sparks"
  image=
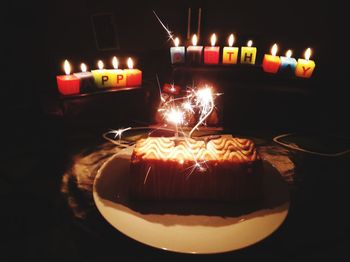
[
  {"x": 119, "y": 132},
  {"x": 195, "y": 103},
  {"x": 170, "y": 34}
]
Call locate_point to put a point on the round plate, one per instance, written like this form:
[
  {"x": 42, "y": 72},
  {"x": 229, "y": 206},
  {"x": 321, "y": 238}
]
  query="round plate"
[{"x": 198, "y": 227}]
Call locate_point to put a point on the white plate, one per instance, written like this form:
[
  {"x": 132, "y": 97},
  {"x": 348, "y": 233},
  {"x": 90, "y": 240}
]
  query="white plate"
[{"x": 201, "y": 228}]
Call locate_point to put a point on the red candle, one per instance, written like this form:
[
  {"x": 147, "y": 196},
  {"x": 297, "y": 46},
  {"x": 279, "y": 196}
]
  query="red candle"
[
  {"x": 133, "y": 76},
  {"x": 211, "y": 53},
  {"x": 68, "y": 84},
  {"x": 271, "y": 63}
]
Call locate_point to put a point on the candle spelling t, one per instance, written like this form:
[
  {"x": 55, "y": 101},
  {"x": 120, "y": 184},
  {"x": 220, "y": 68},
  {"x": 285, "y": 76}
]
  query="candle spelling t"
[
  {"x": 68, "y": 84},
  {"x": 229, "y": 55}
]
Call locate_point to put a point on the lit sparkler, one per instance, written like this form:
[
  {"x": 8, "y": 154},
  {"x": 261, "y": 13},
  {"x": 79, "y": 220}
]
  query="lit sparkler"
[
  {"x": 119, "y": 132},
  {"x": 166, "y": 29}
]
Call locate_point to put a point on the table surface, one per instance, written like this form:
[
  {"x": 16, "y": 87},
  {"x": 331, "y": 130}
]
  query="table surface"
[{"x": 50, "y": 213}]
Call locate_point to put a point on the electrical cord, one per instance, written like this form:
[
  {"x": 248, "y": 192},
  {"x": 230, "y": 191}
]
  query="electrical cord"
[{"x": 277, "y": 140}]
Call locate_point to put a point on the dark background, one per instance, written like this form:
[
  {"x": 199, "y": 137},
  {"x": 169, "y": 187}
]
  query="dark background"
[
  {"x": 40, "y": 135},
  {"x": 41, "y": 35}
]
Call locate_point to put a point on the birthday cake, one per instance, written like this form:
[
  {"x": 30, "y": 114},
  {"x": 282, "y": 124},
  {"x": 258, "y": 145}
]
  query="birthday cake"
[{"x": 221, "y": 168}]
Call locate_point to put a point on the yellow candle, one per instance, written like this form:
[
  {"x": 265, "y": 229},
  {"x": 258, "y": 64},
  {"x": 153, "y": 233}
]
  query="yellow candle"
[
  {"x": 248, "y": 53},
  {"x": 305, "y": 67},
  {"x": 106, "y": 78},
  {"x": 230, "y": 54}
]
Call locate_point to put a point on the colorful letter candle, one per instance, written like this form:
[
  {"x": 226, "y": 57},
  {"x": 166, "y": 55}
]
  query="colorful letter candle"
[
  {"x": 230, "y": 54},
  {"x": 248, "y": 53},
  {"x": 305, "y": 67},
  {"x": 211, "y": 53},
  {"x": 68, "y": 84},
  {"x": 288, "y": 62},
  {"x": 86, "y": 79},
  {"x": 194, "y": 52},
  {"x": 271, "y": 63},
  {"x": 118, "y": 77},
  {"x": 101, "y": 76},
  {"x": 177, "y": 53},
  {"x": 133, "y": 76}
]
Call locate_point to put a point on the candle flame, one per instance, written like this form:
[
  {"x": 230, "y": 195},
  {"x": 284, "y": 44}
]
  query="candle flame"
[
  {"x": 175, "y": 116},
  {"x": 83, "y": 67},
  {"x": 100, "y": 64},
  {"x": 66, "y": 67},
  {"x": 289, "y": 53},
  {"x": 249, "y": 43},
  {"x": 213, "y": 39},
  {"x": 177, "y": 41},
  {"x": 130, "y": 63},
  {"x": 274, "y": 49},
  {"x": 194, "y": 40},
  {"x": 115, "y": 62},
  {"x": 307, "y": 53},
  {"x": 231, "y": 39}
]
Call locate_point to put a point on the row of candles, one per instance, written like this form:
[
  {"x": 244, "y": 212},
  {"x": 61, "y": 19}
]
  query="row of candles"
[
  {"x": 271, "y": 62},
  {"x": 70, "y": 84}
]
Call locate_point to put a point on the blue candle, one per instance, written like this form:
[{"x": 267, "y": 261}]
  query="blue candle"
[
  {"x": 288, "y": 62},
  {"x": 177, "y": 53}
]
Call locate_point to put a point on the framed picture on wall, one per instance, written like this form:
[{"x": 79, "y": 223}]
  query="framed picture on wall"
[{"x": 105, "y": 31}]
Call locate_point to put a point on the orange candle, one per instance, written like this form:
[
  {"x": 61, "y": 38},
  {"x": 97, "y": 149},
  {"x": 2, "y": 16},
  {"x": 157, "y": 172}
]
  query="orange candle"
[
  {"x": 230, "y": 54},
  {"x": 68, "y": 84},
  {"x": 305, "y": 67},
  {"x": 118, "y": 75},
  {"x": 271, "y": 63},
  {"x": 133, "y": 76}
]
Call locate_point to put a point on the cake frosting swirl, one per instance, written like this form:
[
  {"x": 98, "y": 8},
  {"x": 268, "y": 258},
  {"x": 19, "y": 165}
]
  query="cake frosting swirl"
[{"x": 219, "y": 149}]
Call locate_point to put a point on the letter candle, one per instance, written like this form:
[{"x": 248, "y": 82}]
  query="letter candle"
[
  {"x": 177, "y": 53},
  {"x": 211, "y": 53},
  {"x": 230, "y": 54},
  {"x": 288, "y": 62},
  {"x": 68, "y": 84},
  {"x": 248, "y": 53},
  {"x": 133, "y": 76},
  {"x": 194, "y": 52},
  {"x": 86, "y": 78},
  {"x": 271, "y": 63},
  {"x": 101, "y": 76},
  {"x": 118, "y": 77},
  {"x": 305, "y": 67}
]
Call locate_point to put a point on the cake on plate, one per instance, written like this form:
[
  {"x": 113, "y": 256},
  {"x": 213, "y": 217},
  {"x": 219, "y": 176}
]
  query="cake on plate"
[{"x": 213, "y": 168}]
